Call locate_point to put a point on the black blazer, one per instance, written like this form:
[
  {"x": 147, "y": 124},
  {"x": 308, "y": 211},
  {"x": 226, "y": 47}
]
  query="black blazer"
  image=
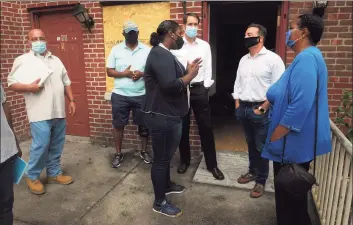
[{"x": 165, "y": 92}]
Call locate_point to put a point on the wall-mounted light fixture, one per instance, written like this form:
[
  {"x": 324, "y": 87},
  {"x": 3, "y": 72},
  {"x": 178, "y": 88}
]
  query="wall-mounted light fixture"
[
  {"x": 81, "y": 14},
  {"x": 319, "y": 7}
]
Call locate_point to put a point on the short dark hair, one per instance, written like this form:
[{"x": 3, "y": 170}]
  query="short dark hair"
[
  {"x": 315, "y": 26},
  {"x": 162, "y": 31},
  {"x": 262, "y": 29},
  {"x": 186, "y": 16}
]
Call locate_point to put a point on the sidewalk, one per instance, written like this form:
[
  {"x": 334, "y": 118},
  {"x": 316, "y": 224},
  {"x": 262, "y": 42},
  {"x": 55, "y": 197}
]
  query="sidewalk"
[{"x": 103, "y": 196}]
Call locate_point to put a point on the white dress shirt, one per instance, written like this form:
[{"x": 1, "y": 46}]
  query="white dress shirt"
[
  {"x": 256, "y": 74},
  {"x": 191, "y": 51}
]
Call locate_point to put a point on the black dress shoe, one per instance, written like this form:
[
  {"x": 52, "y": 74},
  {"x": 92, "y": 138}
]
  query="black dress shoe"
[
  {"x": 217, "y": 173},
  {"x": 182, "y": 168}
]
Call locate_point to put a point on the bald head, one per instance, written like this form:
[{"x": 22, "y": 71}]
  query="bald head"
[{"x": 36, "y": 35}]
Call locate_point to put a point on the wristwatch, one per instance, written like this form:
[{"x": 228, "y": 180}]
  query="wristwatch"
[{"x": 262, "y": 110}]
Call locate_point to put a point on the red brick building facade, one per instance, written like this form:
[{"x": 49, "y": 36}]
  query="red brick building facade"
[{"x": 17, "y": 20}]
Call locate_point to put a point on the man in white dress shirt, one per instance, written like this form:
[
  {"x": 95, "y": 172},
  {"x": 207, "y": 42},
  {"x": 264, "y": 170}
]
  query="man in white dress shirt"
[
  {"x": 192, "y": 49},
  {"x": 257, "y": 71}
]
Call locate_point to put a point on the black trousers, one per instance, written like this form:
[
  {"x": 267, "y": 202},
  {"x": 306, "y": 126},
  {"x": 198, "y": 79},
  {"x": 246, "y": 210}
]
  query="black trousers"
[
  {"x": 290, "y": 210},
  {"x": 6, "y": 192},
  {"x": 165, "y": 135},
  {"x": 201, "y": 107}
]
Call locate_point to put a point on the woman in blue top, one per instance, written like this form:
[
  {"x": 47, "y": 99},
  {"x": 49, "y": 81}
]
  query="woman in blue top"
[{"x": 293, "y": 114}]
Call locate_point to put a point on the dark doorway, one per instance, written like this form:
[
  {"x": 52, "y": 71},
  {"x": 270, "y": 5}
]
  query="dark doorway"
[{"x": 228, "y": 23}]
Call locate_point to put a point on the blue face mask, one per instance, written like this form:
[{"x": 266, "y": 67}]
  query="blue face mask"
[
  {"x": 290, "y": 43},
  {"x": 39, "y": 47},
  {"x": 191, "y": 32}
]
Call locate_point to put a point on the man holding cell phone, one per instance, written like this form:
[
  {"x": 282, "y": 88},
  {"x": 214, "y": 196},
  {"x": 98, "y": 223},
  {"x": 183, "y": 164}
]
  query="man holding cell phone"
[{"x": 9, "y": 149}]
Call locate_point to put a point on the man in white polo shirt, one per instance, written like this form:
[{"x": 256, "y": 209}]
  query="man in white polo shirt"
[
  {"x": 46, "y": 113},
  {"x": 192, "y": 49},
  {"x": 9, "y": 148},
  {"x": 257, "y": 71}
]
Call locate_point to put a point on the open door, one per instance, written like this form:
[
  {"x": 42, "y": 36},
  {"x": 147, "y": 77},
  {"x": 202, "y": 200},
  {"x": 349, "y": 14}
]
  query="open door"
[{"x": 282, "y": 25}]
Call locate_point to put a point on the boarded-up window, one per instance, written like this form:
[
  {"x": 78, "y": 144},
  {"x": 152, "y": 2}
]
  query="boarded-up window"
[{"x": 147, "y": 16}]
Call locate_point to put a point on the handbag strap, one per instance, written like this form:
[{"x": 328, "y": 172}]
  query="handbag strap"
[{"x": 316, "y": 123}]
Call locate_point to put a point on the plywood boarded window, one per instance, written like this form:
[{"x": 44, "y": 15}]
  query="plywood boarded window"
[{"x": 146, "y": 15}]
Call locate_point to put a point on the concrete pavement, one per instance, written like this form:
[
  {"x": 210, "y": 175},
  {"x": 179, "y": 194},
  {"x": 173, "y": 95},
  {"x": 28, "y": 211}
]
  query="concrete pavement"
[{"x": 102, "y": 195}]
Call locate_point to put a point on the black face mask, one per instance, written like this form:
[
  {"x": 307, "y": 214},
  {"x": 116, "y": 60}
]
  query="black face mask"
[
  {"x": 179, "y": 42},
  {"x": 131, "y": 37},
  {"x": 251, "y": 41}
]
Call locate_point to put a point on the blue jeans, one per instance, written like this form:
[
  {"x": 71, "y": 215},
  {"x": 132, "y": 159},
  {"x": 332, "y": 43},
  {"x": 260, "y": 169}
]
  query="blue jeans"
[
  {"x": 48, "y": 139},
  {"x": 165, "y": 133},
  {"x": 255, "y": 129}
]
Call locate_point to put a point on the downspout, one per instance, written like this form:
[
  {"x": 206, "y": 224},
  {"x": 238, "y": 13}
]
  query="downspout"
[{"x": 184, "y": 6}]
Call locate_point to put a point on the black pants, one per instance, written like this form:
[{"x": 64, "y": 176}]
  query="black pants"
[
  {"x": 165, "y": 133},
  {"x": 6, "y": 192},
  {"x": 201, "y": 107},
  {"x": 290, "y": 210}
]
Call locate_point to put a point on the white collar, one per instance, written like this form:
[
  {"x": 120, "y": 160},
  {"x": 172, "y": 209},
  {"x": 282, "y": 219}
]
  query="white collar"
[
  {"x": 186, "y": 41},
  {"x": 262, "y": 52},
  {"x": 163, "y": 46}
]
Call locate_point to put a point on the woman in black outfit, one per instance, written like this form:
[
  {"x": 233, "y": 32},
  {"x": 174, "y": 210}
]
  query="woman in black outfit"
[{"x": 166, "y": 103}]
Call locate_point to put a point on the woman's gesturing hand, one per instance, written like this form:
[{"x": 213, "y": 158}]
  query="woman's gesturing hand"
[{"x": 193, "y": 68}]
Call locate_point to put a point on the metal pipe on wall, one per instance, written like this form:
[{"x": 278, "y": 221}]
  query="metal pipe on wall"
[{"x": 184, "y": 6}]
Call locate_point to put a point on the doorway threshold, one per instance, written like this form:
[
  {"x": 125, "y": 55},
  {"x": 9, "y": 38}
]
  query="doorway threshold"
[
  {"x": 77, "y": 139},
  {"x": 232, "y": 164}
]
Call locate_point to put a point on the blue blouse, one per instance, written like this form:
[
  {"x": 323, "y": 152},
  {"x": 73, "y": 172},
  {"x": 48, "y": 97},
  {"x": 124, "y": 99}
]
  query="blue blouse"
[{"x": 293, "y": 105}]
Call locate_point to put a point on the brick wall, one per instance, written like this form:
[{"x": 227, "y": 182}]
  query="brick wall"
[
  {"x": 336, "y": 45},
  {"x": 12, "y": 45},
  {"x": 15, "y": 24}
]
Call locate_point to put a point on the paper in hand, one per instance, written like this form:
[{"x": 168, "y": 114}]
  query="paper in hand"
[{"x": 32, "y": 70}]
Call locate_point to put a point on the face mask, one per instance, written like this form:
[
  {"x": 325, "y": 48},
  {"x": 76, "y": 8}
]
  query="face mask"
[
  {"x": 251, "y": 41},
  {"x": 179, "y": 42},
  {"x": 290, "y": 43},
  {"x": 131, "y": 37},
  {"x": 39, "y": 47},
  {"x": 191, "y": 32}
]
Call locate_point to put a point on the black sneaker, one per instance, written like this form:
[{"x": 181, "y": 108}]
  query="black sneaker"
[
  {"x": 175, "y": 189},
  {"x": 117, "y": 160},
  {"x": 167, "y": 209},
  {"x": 146, "y": 156}
]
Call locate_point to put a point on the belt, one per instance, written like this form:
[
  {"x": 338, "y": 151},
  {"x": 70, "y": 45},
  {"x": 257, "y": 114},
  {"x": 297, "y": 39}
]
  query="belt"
[
  {"x": 250, "y": 104},
  {"x": 196, "y": 84}
]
